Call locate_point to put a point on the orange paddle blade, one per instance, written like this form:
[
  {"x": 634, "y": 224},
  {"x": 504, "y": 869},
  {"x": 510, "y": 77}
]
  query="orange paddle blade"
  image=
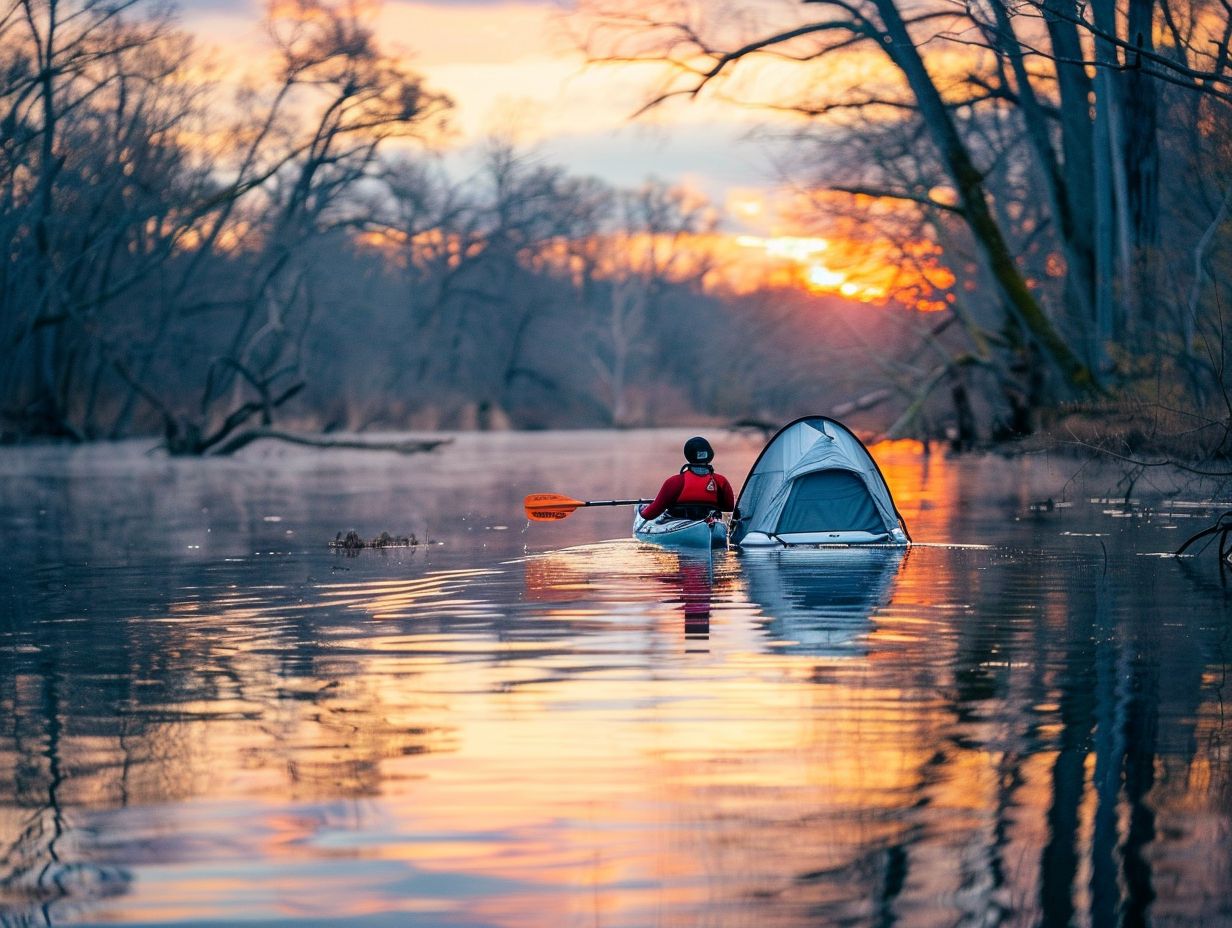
[{"x": 550, "y": 507}]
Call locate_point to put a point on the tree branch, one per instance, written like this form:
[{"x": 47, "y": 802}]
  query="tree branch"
[{"x": 879, "y": 193}]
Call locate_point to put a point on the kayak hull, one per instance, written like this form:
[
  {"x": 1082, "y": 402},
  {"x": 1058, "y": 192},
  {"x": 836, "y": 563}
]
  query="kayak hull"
[{"x": 681, "y": 533}]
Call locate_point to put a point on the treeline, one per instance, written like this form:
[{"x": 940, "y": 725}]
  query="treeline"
[
  {"x": 529, "y": 298},
  {"x": 1073, "y": 161},
  {"x": 208, "y": 258},
  {"x": 160, "y": 229}
]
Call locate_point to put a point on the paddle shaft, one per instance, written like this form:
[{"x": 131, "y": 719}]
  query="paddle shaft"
[{"x": 615, "y": 502}]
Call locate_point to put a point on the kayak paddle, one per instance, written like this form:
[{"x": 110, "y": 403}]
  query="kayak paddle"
[{"x": 552, "y": 507}]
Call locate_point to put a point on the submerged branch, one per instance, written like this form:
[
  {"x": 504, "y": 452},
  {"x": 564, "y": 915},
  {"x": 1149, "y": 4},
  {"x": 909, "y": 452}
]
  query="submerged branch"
[
  {"x": 1138, "y": 462},
  {"x": 352, "y": 541}
]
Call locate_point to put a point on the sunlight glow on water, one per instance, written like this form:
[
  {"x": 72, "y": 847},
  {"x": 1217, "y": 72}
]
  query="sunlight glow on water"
[{"x": 1018, "y": 721}]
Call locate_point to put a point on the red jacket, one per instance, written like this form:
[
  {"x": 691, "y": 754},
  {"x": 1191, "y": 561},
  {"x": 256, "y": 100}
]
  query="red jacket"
[{"x": 690, "y": 488}]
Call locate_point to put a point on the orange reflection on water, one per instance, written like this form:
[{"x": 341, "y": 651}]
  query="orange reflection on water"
[{"x": 544, "y": 741}]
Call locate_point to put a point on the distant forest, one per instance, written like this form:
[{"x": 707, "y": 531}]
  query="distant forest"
[{"x": 205, "y": 258}]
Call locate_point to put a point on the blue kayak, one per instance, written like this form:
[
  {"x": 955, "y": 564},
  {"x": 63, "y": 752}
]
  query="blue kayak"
[{"x": 681, "y": 533}]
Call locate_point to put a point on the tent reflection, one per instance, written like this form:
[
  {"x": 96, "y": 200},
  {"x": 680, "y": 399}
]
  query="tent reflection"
[{"x": 821, "y": 601}]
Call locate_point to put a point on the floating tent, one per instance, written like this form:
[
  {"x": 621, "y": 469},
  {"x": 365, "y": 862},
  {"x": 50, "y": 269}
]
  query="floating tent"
[{"x": 815, "y": 483}]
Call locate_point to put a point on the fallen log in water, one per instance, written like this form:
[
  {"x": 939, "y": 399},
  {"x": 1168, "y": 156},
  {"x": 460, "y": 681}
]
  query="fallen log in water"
[{"x": 401, "y": 446}]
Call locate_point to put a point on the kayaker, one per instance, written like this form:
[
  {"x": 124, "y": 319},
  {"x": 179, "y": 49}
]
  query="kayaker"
[{"x": 697, "y": 490}]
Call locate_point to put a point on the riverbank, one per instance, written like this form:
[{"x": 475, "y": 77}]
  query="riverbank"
[{"x": 1138, "y": 435}]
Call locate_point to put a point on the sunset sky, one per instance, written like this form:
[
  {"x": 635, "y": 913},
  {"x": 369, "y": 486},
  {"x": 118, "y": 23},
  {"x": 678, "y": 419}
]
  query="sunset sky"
[
  {"x": 514, "y": 69},
  {"x": 511, "y": 67}
]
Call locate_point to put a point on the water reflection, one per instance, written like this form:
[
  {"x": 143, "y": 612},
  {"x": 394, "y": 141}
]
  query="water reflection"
[
  {"x": 685, "y": 581},
  {"x": 477, "y": 734},
  {"x": 232, "y": 685},
  {"x": 696, "y": 591},
  {"x": 821, "y": 601}
]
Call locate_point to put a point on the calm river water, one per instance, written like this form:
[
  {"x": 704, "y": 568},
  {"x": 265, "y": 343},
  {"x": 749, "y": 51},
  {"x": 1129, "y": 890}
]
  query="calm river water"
[{"x": 209, "y": 717}]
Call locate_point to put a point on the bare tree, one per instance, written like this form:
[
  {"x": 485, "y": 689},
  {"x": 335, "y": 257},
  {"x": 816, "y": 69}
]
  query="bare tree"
[
  {"x": 983, "y": 126},
  {"x": 311, "y": 143},
  {"x": 485, "y": 264},
  {"x": 627, "y": 269},
  {"x": 879, "y": 24},
  {"x": 89, "y": 119}
]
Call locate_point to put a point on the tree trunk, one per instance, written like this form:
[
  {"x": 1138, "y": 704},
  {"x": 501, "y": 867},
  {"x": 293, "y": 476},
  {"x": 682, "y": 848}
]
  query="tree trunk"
[
  {"x": 1110, "y": 108},
  {"x": 45, "y": 407},
  {"x": 1072, "y": 227},
  {"x": 1140, "y": 142},
  {"x": 1077, "y": 147},
  {"x": 973, "y": 202},
  {"x": 1105, "y": 230},
  {"x": 965, "y": 432}
]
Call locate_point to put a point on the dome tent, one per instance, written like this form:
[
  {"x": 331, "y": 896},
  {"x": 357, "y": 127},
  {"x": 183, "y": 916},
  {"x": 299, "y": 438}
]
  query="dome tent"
[{"x": 815, "y": 483}]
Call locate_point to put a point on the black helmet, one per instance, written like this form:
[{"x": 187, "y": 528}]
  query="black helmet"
[{"x": 698, "y": 451}]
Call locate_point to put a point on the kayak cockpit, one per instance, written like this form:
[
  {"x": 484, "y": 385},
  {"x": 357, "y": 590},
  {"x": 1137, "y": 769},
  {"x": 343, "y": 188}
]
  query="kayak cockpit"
[{"x": 671, "y": 531}]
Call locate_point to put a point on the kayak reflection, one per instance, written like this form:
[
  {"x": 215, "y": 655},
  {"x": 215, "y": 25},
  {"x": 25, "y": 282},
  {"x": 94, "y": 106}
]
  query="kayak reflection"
[
  {"x": 821, "y": 601},
  {"x": 676, "y": 586}
]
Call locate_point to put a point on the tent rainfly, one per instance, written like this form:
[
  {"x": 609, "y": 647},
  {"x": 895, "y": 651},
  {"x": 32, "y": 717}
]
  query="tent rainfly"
[{"x": 816, "y": 484}]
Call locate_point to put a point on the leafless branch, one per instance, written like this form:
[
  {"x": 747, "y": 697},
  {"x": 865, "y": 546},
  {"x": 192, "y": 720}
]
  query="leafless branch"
[{"x": 879, "y": 192}]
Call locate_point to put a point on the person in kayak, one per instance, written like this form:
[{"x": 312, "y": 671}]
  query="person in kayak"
[{"x": 696, "y": 491}]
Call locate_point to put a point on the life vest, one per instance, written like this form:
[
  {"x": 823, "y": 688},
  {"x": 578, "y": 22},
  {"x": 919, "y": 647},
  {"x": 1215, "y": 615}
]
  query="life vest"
[{"x": 699, "y": 489}]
